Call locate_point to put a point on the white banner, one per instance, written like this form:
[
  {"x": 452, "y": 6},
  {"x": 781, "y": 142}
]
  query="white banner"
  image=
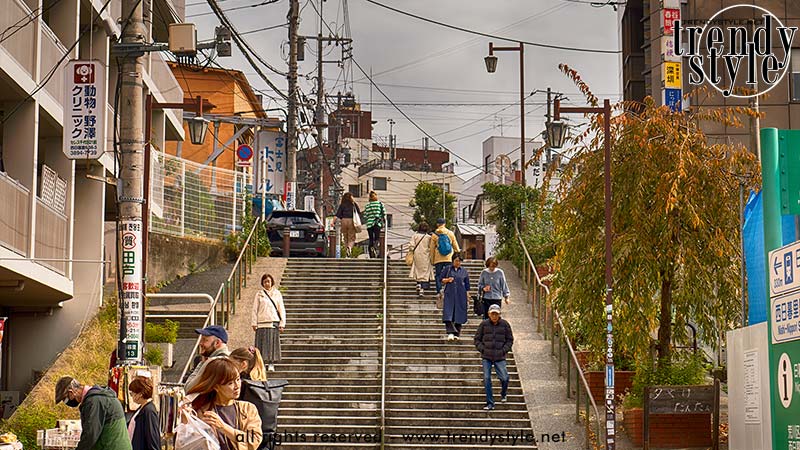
[
  {"x": 130, "y": 232},
  {"x": 291, "y": 195},
  {"x": 271, "y": 155},
  {"x": 84, "y": 110}
]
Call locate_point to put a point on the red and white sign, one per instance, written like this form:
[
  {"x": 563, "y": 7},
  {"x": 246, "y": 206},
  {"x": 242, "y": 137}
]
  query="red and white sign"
[
  {"x": 244, "y": 156},
  {"x": 668, "y": 18},
  {"x": 291, "y": 195},
  {"x": 84, "y": 110}
]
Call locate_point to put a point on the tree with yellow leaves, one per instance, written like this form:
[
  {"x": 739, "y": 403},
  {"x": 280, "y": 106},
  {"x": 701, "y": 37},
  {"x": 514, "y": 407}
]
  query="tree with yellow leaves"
[{"x": 676, "y": 227}]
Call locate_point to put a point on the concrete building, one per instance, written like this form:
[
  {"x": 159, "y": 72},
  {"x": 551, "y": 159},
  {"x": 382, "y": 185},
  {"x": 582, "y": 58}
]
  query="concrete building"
[
  {"x": 500, "y": 156},
  {"x": 646, "y": 57},
  {"x": 51, "y": 246}
]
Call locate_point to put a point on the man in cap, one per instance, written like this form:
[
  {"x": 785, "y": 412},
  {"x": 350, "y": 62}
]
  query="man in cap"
[
  {"x": 102, "y": 418},
  {"x": 494, "y": 340},
  {"x": 213, "y": 344},
  {"x": 440, "y": 258}
]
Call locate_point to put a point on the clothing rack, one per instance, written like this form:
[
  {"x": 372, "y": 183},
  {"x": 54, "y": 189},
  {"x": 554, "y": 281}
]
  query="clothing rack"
[{"x": 170, "y": 397}]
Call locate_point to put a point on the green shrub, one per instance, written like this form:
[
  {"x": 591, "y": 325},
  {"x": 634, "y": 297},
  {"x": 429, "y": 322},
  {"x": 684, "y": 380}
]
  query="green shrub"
[
  {"x": 682, "y": 371},
  {"x": 167, "y": 333},
  {"x": 154, "y": 356},
  {"x": 26, "y": 421}
]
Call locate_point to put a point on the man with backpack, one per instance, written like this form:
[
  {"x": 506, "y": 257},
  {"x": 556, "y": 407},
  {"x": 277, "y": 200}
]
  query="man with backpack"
[{"x": 442, "y": 248}]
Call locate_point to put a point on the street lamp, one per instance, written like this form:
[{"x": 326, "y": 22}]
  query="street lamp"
[
  {"x": 197, "y": 129},
  {"x": 556, "y": 133},
  {"x": 491, "y": 67}
]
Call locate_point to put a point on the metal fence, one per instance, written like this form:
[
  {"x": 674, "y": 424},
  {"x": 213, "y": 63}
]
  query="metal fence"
[{"x": 192, "y": 199}]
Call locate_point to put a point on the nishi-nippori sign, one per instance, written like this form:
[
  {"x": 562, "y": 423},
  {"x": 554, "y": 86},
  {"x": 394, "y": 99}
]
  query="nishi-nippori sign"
[{"x": 84, "y": 110}]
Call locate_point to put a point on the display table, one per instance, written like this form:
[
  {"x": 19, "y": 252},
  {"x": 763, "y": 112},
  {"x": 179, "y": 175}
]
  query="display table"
[{"x": 14, "y": 446}]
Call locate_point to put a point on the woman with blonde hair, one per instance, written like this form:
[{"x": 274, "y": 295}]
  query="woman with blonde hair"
[
  {"x": 268, "y": 320},
  {"x": 250, "y": 363},
  {"x": 421, "y": 267},
  {"x": 214, "y": 398}
]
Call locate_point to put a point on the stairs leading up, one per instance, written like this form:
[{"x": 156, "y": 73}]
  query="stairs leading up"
[{"x": 331, "y": 352}]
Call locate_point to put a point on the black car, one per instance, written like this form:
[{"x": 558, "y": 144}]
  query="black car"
[{"x": 306, "y": 232}]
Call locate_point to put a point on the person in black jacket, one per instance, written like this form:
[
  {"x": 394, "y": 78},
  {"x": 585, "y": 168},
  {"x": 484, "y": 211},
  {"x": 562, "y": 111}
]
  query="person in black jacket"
[
  {"x": 144, "y": 427},
  {"x": 494, "y": 340}
]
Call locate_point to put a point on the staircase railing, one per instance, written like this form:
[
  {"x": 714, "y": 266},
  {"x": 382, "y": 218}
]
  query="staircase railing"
[
  {"x": 230, "y": 290},
  {"x": 539, "y": 296},
  {"x": 384, "y": 332}
]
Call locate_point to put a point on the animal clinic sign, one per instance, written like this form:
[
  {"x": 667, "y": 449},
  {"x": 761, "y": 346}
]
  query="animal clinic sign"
[
  {"x": 84, "y": 110},
  {"x": 729, "y": 52}
]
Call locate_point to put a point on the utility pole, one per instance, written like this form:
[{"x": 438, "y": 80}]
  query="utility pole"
[
  {"x": 391, "y": 139},
  {"x": 131, "y": 194},
  {"x": 547, "y": 125},
  {"x": 291, "y": 125}
]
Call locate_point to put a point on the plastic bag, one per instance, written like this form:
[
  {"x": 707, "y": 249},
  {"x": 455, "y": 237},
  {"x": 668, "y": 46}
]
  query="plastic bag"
[{"x": 195, "y": 435}]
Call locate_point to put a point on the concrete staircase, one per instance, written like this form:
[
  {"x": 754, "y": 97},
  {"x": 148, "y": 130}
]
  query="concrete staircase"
[
  {"x": 332, "y": 358},
  {"x": 435, "y": 387},
  {"x": 331, "y": 353}
]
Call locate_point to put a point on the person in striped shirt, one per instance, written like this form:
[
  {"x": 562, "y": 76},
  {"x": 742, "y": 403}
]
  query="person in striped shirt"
[{"x": 374, "y": 218}]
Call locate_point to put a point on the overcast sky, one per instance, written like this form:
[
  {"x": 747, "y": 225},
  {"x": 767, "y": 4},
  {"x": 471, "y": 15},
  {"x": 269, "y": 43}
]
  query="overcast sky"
[{"x": 415, "y": 61}]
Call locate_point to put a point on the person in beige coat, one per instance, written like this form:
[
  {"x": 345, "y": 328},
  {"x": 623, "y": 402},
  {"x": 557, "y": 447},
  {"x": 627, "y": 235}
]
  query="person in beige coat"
[
  {"x": 421, "y": 268},
  {"x": 214, "y": 400},
  {"x": 268, "y": 320}
]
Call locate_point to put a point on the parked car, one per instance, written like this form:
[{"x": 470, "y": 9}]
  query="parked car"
[{"x": 306, "y": 232}]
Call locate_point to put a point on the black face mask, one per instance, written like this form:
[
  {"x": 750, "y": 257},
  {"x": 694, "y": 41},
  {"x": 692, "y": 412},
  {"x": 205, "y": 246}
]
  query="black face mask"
[{"x": 72, "y": 403}]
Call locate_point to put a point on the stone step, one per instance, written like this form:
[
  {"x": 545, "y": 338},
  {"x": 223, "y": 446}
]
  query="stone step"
[
  {"x": 345, "y": 387},
  {"x": 423, "y": 391}
]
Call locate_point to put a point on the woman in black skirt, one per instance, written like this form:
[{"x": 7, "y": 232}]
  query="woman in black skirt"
[{"x": 269, "y": 319}]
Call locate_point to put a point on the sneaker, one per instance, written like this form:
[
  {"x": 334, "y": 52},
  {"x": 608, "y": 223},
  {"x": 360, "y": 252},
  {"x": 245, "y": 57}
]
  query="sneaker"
[
  {"x": 456, "y": 337},
  {"x": 488, "y": 407},
  {"x": 503, "y": 399},
  {"x": 271, "y": 368},
  {"x": 451, "y": 337}
]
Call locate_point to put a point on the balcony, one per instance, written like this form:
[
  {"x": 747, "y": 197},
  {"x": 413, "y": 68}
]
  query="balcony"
[
  {"x": 20, "y": 44},
  {"x": 51, "y": 238},
  {"x": 165, "y": 81},
  {"x": 52, "y": 52},
  {"x": 15, "y": 217}
]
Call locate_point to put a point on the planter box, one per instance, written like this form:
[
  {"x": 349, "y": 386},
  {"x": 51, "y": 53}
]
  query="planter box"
[
  {"x": 623, "y": 380},
  {"x": 166, "y": 350},
  {"x": 669, "y": 430},
  {"x": 584, "y": 358}
]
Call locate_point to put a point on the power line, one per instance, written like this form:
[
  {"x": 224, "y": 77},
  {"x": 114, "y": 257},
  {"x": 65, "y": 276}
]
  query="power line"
[
  {"x": 502, "y": 38},
  {"x": 236, "y": 8}
]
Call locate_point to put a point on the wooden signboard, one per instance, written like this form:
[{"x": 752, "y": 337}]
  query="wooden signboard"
[{"x": 703, "y": 399}]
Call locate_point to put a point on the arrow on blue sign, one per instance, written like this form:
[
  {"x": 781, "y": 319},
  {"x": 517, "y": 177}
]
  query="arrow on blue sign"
[{"x": 777, "y": 265}]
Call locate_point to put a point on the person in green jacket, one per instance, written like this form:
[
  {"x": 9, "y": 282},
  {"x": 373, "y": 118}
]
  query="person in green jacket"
[
  {"x": 374, "y": 219},
  {"x": 102, "y": 418}
]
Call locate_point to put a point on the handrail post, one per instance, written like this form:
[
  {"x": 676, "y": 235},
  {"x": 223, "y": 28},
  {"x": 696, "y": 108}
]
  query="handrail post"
[
  {"x": 587, "y": 419},
  {"x": 569, "y": 375},
  {"x": 560, "y": 354},
  {"x": 578, "y": 404}
]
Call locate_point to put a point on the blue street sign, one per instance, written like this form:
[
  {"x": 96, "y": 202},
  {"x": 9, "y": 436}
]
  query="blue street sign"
[{"x": 673, "y": 99}]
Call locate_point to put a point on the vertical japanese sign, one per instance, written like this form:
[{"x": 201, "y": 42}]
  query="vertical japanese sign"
[
  {"x": 291, "y": 195},
  {"x": 668, "y": 18},
  {"x": 84, "y": 110},
  {"x": 672, "y": 92},
  {"x": 130, "y": 250},
  {"x": 271, "y": 147}
]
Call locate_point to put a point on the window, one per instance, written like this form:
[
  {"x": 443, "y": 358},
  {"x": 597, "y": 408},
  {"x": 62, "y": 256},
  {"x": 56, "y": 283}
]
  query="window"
[
  {"x": 486, "y": 164},
  {"x": 794, "y": 81},
  {"x": 389, "y": 221},
  {"x": 354, "y": 190},
  {"x": 379, "y": 183}
]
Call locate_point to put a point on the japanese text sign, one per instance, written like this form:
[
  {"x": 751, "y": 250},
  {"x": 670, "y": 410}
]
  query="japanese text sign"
[
  {"x": 270, "y": 167},
  {"x": 84, "y": 110}
]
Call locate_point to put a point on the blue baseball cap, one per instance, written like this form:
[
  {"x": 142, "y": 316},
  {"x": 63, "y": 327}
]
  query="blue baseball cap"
[
  {"x": 440, "y": 221},
  {"x": 213, "y": 330}
]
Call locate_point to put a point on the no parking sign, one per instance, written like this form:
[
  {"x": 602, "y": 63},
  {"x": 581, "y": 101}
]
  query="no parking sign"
[{"x": 244, "y": 155}]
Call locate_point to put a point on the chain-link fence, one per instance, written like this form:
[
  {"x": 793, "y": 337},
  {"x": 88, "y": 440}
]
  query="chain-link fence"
[{"x": 191, "y": 199}]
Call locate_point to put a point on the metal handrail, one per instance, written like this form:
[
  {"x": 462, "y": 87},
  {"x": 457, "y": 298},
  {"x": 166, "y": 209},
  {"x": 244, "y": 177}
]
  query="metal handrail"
[
  {"x": 211, "y": 319},
  {"x": 383, "y": 353},
  {"x": 530, "y": 266}
]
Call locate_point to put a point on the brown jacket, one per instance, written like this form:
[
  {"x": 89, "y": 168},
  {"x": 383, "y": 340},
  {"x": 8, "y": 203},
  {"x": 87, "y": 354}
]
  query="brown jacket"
[{"x": 248, "y": 423}]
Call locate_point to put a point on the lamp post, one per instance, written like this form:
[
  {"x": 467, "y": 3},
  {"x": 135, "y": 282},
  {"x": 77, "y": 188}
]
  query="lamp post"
[
  {"x": 491, "y": 67},
  {"x": 556, "y": 133}
]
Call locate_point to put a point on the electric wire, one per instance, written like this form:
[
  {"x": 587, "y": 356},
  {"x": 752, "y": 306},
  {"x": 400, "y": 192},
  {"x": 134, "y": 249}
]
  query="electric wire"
[{"x": 493, "y": 36}]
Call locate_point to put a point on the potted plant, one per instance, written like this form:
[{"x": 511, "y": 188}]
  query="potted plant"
[
  {"x": 696, "y": 428},
  {"x": 163, "y": 337}
]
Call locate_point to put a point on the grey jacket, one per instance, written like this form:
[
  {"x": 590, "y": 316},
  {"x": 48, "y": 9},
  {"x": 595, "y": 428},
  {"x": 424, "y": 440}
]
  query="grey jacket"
[{"x": 496, "y": 281}]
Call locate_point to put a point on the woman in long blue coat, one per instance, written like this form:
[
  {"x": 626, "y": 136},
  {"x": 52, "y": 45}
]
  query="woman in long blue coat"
[{"x": 456, "y": 286}]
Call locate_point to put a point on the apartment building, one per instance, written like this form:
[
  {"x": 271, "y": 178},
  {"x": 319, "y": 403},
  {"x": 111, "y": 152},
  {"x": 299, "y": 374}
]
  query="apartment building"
[
  {"x": 648, "y": 60},
  {"x": 51, "y": 240}
]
